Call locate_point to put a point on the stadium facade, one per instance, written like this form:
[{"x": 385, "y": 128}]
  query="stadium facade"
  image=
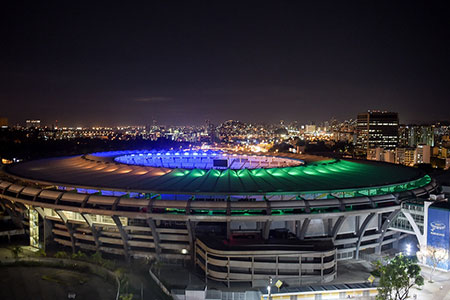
[{"x": 240, "y": 217}]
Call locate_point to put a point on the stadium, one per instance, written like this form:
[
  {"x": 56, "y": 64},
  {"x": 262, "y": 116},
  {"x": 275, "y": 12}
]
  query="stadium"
[{"x": 239, "y": 217}]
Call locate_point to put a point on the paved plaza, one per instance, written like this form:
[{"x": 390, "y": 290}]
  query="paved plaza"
[{"x": 439, "y": 289}]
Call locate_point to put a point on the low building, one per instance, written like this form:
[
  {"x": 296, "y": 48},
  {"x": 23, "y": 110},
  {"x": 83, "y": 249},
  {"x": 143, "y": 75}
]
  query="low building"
[
  {"x": 405, "y": 156},
  {"x": 380, "y": 154},
  {"x": 422, "y": 154}
]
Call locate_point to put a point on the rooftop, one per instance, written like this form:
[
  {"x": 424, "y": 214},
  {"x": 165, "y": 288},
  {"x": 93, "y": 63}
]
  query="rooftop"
[{"x": 315, "y": 176}]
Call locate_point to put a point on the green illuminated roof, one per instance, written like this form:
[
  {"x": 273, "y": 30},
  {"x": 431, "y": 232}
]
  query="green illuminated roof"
[{"x": 326, "y": 176}]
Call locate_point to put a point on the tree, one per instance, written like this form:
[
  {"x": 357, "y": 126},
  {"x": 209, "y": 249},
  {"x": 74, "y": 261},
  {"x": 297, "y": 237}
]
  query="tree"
[
  {"x": 97, "y": 258},
  {"x": 61, "y": 254},
  {"x": 79, "y": 255},
  {"x": 397, "y": 277},
  {"x": 432, "y": 256},
  {"x": 126, "y": 297},
  {"x": 41, "y": 252}
]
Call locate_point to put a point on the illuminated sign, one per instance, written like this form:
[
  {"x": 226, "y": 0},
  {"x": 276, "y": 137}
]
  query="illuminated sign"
[
  {"x": 437, "y": 228},
  {"x": 439, "y": 232}
]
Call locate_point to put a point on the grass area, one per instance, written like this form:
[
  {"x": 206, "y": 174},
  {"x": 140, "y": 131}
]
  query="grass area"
[
  {"x": 42, "y": 282},
  {"x": 56, "y": 277}
]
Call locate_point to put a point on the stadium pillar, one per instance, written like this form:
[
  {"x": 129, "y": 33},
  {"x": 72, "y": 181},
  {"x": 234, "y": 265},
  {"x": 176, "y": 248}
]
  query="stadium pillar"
[
  {"x": 33, "y": 227},
  {"x": 397, "y": 236},
  {"x": 298, "y": 225},
  {"x": 304, "y": 228},
  {"x": 16, "y": 218},
  {"x": 337, "y": 226},
  {"x": 380, "y": 221},
  {"x": 421, "y": 236},
  {"x": 124, "y": 237},
  {"x": 69, "y": 227},
  {"x": 266, "y": 229},
  {"x": 361, "y": 232},
  {"x": 191, "y": 233},
  {"x": 384, "y": 228},
  {"x": 94, "y": 230},
  {"x": 329, "y": 226},
  {"x": 155, "y": 235},
  {"x": 48, "y": 227}
]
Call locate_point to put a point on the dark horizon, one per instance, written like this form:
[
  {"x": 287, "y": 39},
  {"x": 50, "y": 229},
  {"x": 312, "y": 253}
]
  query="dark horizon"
[{"x": 87, "y": 65}]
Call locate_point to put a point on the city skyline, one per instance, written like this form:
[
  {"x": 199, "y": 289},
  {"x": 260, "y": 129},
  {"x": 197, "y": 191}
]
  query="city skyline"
[
  {"x": 182, "y": 64},
  {"x": 200, "y": 123}
]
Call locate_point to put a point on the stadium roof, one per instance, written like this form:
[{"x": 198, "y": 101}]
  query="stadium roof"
[{"x": 326, "y": 176}]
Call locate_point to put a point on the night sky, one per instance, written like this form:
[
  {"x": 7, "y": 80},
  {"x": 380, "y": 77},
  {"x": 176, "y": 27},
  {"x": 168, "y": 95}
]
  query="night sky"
[{"x": 188, "y": 61}]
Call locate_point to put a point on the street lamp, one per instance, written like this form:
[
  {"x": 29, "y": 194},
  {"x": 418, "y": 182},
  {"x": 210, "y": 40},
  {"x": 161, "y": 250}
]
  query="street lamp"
[
  {"x": 269, "y": 288},
  {"x": 408, "y": 249}
]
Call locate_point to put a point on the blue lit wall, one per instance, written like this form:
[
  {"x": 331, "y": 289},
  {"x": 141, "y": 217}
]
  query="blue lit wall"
[
  {"x": 438, "y": 232},
  {"x": 171, "y": 159}
]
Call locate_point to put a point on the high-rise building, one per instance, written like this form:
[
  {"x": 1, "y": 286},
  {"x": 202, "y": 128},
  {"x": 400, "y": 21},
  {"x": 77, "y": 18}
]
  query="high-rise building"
[
  {"x": 404, "y": 132},
  {"x": 421, "y": 135},
  {"x": 413, "y": 135},
  {"x": 426, "y": 135},
  {"x": 376, "y": 129},
  {"x": 211, "y": 131}
]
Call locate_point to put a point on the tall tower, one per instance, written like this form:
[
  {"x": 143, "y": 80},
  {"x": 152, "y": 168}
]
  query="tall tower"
[{"x": 376, "y": 129}]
